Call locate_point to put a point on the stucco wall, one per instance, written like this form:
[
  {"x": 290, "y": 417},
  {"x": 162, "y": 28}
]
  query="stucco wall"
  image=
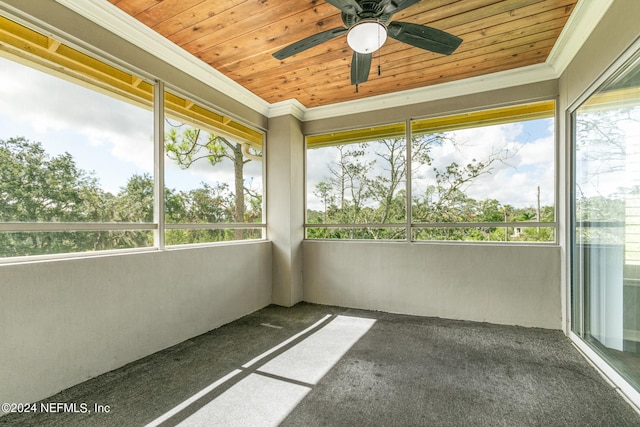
[
  {"x": 617, "y": 30},
  {"x": 515, "y": 285},
  {"x": 285, "y": 219},
  {"x": 62, "y": 322}
]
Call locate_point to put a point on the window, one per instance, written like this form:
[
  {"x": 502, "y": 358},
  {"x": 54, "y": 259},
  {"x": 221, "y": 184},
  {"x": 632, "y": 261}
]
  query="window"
[
  {"x": 77, "y": 158},
  {"x": 356, "y": 184},
  {"x": 71, "y": 159},
  {"x": 485, "y": 176},
  {"x": 480, "y": 176},
  {"x": 212, "y": 176},
  {"x": 606, "y": 218}
]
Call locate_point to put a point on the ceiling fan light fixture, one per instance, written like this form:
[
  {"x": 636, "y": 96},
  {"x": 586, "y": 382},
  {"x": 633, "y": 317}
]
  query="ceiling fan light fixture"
[{"x": 367, "y": 36}]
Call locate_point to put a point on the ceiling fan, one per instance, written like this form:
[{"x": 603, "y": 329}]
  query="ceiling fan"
[{"x": 367, "y": 27}]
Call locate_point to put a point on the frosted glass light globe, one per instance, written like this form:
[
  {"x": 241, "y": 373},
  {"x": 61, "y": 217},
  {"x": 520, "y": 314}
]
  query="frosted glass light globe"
[{"x": 367, "y": 36}]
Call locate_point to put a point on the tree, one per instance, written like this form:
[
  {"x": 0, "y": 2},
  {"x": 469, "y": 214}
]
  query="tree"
[
  {"x": 188, "y": 145},
  {"x": 324, "y": 193},
  {"x": 37, "y": 187},
  {"x": 385, "y": 187},
  {"x": 135, "y": 200},
  {"x": 349, "y": 177},
  {"x": 368, "y": 181},
  {"x": 601, "y": 140}
]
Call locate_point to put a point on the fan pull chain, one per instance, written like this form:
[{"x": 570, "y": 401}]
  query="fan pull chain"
[{"x": 378, "y": 54}]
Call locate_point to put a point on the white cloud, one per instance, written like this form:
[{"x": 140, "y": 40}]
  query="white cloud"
[
  {"x": 103, "y": 134},
  {"x": 513, "y": 181},
  {"x": 202, "y": 171}
]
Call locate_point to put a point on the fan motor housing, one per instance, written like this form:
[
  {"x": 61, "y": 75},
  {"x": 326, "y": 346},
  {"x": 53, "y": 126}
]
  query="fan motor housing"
[{"x": 371, "y": 10}]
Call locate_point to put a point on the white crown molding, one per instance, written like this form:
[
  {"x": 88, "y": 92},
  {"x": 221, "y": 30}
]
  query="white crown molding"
[
  {"x": 581, "y": 23},
  {"x": 583, "y": 20},
  {"x": 499, "y": 80},
  {"x": 291, "y": 107},
  {"x": 122, "y": 24}
]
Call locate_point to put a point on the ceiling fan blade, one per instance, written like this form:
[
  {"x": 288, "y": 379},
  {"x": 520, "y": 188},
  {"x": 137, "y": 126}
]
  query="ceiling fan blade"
[
  {"x": 360, "y": 67},
  {"x": 424, "y": 37},
  {"x": 395, "y": 6},
  {"x": 350, "y": 7},
  {"x": 309, "y": 42}
]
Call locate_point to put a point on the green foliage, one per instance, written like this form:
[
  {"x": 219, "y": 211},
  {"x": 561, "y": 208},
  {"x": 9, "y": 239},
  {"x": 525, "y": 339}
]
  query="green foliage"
[
  {"x": 600, "y": 219},
  {"x": 186, "y": 145},
  {"x": 37, "y": 187},
  {"x": 193, "y": 144},
  {"x": 359, "y": 190}
]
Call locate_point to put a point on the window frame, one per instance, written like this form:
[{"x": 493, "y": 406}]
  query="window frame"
[
  {"x": 207, "y": 120},
  {"x": 450, "y": 122},
  {"x": 575, "y": 292},
  {"x": 27, "y": 44},
  {"x": 576, "y": 317}
]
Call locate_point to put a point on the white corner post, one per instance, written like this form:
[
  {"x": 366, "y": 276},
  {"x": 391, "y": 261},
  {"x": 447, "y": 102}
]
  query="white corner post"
[{"x": 285, "y": 207}]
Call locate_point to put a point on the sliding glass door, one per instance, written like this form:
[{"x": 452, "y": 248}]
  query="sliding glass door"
[{"x": 606, "y": 209}]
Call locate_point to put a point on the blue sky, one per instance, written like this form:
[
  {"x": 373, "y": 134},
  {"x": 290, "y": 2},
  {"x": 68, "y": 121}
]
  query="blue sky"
[{"x": 514, "y": 181}]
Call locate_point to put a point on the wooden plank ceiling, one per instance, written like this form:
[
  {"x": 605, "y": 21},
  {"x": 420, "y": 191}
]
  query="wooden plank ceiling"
[{"x": 238, "y": 38}]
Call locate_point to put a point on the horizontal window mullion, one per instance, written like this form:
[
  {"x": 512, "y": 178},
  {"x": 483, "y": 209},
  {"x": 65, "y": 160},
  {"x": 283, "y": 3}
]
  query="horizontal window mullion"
[{"x": 74, "y": 226}]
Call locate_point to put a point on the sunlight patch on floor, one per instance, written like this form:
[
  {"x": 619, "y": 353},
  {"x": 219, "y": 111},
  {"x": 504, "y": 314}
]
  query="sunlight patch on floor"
[
  {"x": 255, "y": 401},
  {"x": 311, "y": 359},
  {"x": 267, "y": 388}
]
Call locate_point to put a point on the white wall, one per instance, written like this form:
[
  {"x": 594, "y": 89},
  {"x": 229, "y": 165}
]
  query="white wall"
[
  {"x": 62, "y": 322},
  {"x": 515, "y": 285},
  {"x": 285, "y": 207}
]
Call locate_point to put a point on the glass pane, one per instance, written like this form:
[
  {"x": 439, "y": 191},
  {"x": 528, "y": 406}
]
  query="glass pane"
[
  {"x": 188, "y": 236},
  {"x": 606, "y": 281},
  {"x": 210, "y": 177},
  {"x": 61, "y": 242},
  {"x": 69, "y": 153},
  {"x": 359, "y": 182},
  {"x": 363, "y": 233},
  {"x": 486, "y": 234},
  {"x": 72, "y": 154},
  {"x": 497, "y": 173}
]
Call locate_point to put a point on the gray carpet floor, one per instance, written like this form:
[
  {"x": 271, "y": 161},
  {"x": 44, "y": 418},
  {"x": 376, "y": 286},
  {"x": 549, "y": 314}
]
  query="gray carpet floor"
[{"x": 314, "y": 365}]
